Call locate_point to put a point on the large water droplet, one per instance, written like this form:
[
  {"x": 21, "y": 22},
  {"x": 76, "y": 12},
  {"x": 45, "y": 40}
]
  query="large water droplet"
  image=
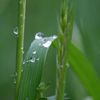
[
  {"x": 54, "y": 37},
  {"x": 48, "y": 41},
  {"x": 34, "y": 52},
  {"x": 32, "y": 60},
  {"x": 15, "y": 31},
  {"x": 47, "y": 44},
  {"x": 39, "y": 35}
]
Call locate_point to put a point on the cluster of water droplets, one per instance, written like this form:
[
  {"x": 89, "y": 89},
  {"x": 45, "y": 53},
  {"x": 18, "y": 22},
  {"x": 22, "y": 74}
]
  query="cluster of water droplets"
[
  {"x": 32, "y": 59},
  {"x": 46, "y": 40}
]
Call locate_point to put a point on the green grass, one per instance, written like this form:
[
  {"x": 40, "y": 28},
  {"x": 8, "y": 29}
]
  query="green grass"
[{"x": 29, "y": 84}]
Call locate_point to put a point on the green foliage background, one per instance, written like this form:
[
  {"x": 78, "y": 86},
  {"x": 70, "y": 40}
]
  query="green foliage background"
[{"x": 42, "y": 16}]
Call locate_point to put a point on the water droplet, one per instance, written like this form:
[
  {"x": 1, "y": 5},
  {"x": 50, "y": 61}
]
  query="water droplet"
[
  {"x": 47, "y": 44},
  {"x": 15, "y": 31},
  {"x": 54, "y": 37},
  {"x": 34, "y": 52},
  {"x": 39, "y": 35},
  {"x": 32, "y": 60}
]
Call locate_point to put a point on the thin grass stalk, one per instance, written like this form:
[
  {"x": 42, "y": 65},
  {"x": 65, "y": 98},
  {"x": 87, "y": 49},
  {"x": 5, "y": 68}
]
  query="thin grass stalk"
[
  {"x": 20, "y": 42},
  {"x": 66, "y": 26}
]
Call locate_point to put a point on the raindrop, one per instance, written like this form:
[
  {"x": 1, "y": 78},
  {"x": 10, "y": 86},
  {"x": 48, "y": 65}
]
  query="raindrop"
[
  {"x": 32, "y": 60},
  {"x": 15, "y": 31},
  {"x": 39, "y": 35},
  {"x": 34, "y": 52},
  {"x": 47, "y": 44},
  {"x": 54, "y": 37},
  {"x": 49, "y": 41}
]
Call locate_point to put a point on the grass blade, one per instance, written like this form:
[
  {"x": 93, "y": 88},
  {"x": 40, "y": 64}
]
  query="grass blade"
[
  {"x": 84, "y": 70},
  {"x": 33, "y": 67}
]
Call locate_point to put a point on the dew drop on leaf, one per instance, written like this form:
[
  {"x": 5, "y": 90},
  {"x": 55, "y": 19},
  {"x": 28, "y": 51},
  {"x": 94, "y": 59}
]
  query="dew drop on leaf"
[
  {"x": 54, "y": 37},
  {"x": 47, "y": 44},
  {"x": 15, "y": 31},
  {"x": 32, "y": 60},
  {"x": 34, "y": 52},
  {"x": 39, "y": 35}
]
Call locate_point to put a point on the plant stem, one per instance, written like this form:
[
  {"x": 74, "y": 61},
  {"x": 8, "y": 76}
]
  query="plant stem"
[
  {"x": 66, "y": 26},
  {"x": 20, "y": 41}
]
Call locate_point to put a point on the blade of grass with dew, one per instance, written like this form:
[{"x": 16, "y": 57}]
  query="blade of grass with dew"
[
  {"x": 84, "y": 70},
  {"x": 33, "y": 67},
  {"x": 20, "y": 42}
]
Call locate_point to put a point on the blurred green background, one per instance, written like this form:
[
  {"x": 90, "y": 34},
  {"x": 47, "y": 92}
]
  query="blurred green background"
[{"x": 41, "y": 16}]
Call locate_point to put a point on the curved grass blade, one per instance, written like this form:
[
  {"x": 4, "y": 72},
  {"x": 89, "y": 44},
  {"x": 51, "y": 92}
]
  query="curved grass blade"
[
  {"x": 33, "y": 67},
  {"x": 84, "y": 70}
]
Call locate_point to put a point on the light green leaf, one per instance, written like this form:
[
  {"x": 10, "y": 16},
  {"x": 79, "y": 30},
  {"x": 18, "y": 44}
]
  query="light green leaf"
[
  {"x": 33, "y": 66},
  {"x": 85, "y": 72}
]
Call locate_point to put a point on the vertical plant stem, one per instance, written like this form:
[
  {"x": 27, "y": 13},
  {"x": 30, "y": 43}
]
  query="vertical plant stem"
[
  {"x": 66, "y": 26},
  {"x": 20, "y": 41}
]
